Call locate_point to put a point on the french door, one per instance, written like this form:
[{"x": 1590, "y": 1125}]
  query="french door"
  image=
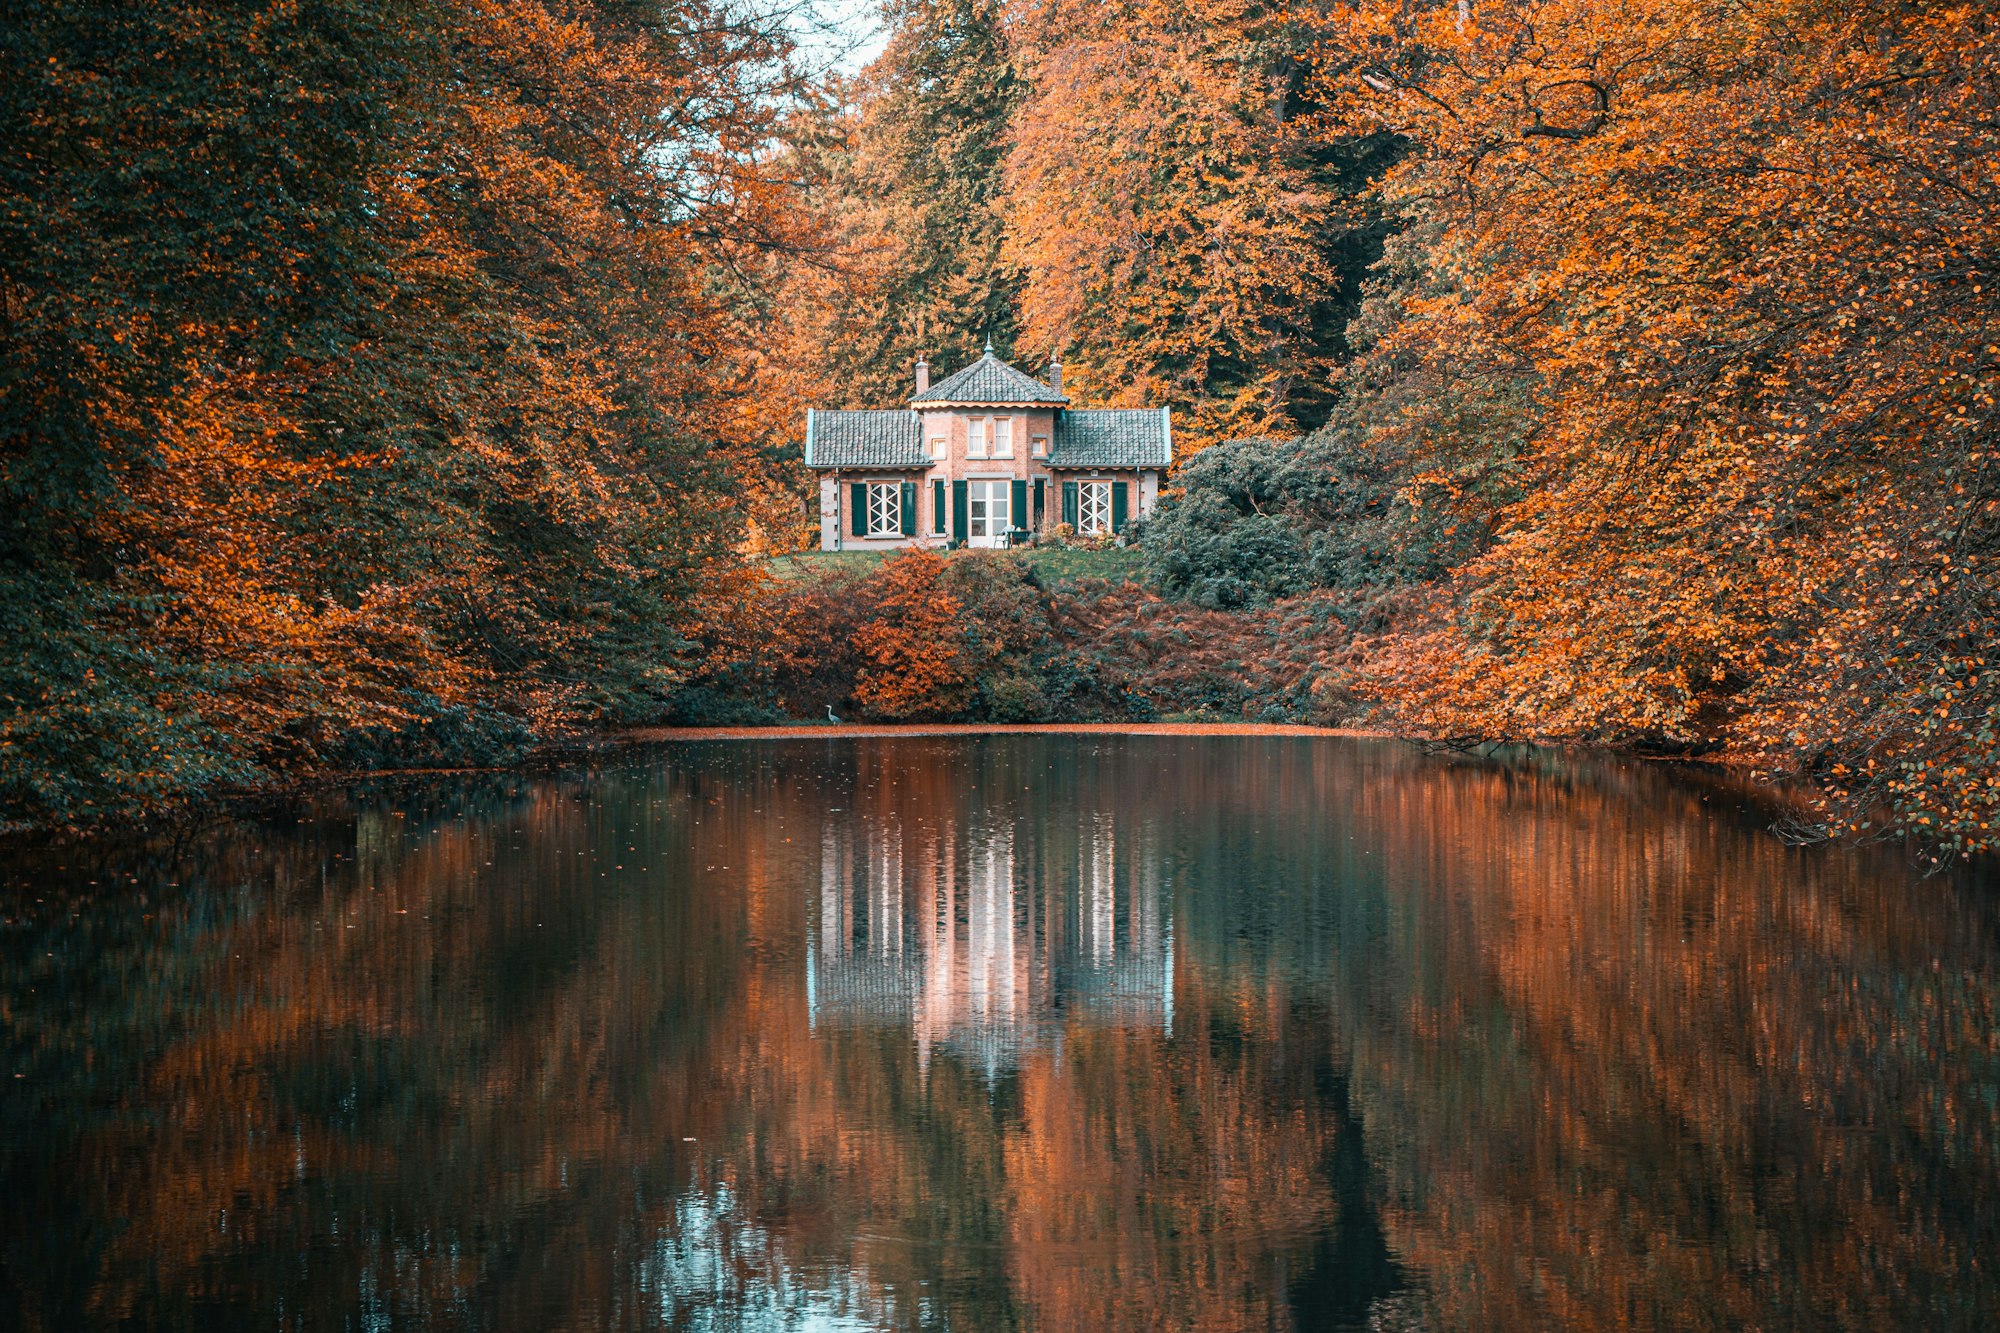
[{"x": 987, "y": 519}]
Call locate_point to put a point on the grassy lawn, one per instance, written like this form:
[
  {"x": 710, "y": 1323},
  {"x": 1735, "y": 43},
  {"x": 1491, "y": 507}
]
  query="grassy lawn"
[
  {"x": 804, "y": 563},
  {"x": 1055, "y": 564}
]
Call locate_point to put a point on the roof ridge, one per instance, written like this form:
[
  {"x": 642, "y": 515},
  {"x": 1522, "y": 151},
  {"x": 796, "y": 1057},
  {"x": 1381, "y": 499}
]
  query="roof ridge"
[{"x": 990, "y": 380}]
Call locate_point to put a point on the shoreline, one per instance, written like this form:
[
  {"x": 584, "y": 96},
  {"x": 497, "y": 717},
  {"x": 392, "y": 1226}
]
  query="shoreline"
[
  {"x": 216, "y": 805},
  {"x": 294, "y": 786},
  {"x": 891, "y": 730}
]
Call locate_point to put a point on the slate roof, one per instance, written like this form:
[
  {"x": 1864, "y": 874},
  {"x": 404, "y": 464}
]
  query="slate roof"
[
  {"x": 1111, "y": 437},
  {"x": 892, "y": 439},
  {"x": 989, "y": 380}
]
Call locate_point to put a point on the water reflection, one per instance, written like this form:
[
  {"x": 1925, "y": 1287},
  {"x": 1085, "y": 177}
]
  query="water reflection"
[
  {"x": 1024, "y": 1032},
  {"x": 949, "y": 934}
]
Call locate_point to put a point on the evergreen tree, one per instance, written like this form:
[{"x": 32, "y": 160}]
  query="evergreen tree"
[{"x": 921, "y": 188}]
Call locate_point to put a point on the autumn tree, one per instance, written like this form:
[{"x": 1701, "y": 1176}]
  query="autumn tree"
[
  {"x": 905, "y": 164},
  {"x": 913, "y": 645},
  {"x": 361, "y": 377},
  {"x": 1138, "y": 187},
  {"x": 1744, "y": 255},
  {"x": 1187, "y": 236}
]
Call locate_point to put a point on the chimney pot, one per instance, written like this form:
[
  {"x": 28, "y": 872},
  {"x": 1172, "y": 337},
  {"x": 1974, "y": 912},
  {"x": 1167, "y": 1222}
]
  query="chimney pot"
[{"x": 923, "y": 375}]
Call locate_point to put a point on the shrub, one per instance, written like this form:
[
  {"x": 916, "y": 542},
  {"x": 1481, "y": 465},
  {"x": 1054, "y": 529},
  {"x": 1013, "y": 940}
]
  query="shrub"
[
  {"x": 1261, "y": 520},
  {"x": 914, "y": 646},
  {"x": 978, "y": 637}
]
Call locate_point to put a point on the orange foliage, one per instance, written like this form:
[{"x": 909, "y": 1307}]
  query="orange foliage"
[
  {"x": 914, "y": 647},
  {"x": 1743, "y": 254},
  {"x": 363, "y": 368},
  {"x": 1177, "y": 236}
]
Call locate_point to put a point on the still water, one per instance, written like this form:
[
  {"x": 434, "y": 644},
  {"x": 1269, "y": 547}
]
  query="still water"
[{"x": 1022, "y": 1032}]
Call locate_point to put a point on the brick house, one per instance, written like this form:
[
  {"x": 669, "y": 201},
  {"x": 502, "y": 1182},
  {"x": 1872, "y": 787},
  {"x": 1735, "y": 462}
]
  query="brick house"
[{"x": 986, "y": 458}]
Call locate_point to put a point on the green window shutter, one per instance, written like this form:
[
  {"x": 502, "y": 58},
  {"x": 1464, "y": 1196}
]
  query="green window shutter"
[
  {"x": 959, "y": 526},
  {"x": 937, "y": 506},
  {"x": 1069, "y": 503},
  {"x": 1118, "y": 489},
  {"x": 857, "y": 509},
  {"x": 906, "y": 509},
  {"x": 1017, "y": 504},
  {"x": 1041, "y": 502}
]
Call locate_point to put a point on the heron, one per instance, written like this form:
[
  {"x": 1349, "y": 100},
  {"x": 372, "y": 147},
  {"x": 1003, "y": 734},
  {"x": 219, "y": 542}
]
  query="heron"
[{"x": 830, "y": 716}]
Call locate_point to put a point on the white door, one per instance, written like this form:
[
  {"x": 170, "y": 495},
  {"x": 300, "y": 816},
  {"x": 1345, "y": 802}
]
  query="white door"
[{"x": 986, "y": 512}]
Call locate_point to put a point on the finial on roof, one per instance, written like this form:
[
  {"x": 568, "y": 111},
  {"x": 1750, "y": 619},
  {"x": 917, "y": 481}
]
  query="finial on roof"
[{"x": 989, "y": 344}]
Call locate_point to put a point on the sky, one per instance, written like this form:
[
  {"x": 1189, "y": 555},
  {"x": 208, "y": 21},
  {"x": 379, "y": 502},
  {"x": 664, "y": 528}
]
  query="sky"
[{"x": 857, "y": 33}]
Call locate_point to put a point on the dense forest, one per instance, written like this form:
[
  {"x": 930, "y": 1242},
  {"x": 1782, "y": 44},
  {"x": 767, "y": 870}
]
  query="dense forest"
[
  {"x": 371, "y": 391},
  {"x": 396, "y": 382}
]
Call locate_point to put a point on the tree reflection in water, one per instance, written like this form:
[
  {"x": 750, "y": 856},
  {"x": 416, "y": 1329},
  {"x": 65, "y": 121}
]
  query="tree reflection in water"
[{"x": 1041, "y": 1031}]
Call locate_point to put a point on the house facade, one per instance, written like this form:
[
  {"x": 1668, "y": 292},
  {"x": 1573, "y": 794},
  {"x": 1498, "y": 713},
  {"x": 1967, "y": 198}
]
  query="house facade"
[{"x": 985, "y": 458}]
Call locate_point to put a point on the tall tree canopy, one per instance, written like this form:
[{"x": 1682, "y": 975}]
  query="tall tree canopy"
[
  {"x": 1139, "y": 187},
  {"x": 358, "y": 373},
  {"x": 907, "y": 166},
  {"x": 1188, "y": 235},
  {"x": 1743, "y": 252}
]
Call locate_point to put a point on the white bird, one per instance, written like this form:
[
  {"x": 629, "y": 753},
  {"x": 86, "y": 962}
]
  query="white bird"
[{"x": 829, "y": 715}]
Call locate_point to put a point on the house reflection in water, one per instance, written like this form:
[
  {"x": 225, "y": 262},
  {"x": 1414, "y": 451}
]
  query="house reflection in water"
[{"x": 983, "y": 941}]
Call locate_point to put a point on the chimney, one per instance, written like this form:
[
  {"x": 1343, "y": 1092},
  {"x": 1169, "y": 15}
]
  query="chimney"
[
  {"x": 1055, "y": 373},
  {"x": 923, "y": 375}
]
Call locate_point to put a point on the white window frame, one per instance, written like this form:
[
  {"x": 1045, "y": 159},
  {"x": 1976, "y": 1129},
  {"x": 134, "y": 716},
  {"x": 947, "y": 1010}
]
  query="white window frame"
[
  {"x": 1003, "y": 437},
  {"x": 983, "y": 496},
  {"x": 885, "y": 507},
  {"x": 1040, "y": 447},
  {"x": 938, "y": 447},
  {"x": 975, "y": 436},
  {"x": 1093, "y": 502}
]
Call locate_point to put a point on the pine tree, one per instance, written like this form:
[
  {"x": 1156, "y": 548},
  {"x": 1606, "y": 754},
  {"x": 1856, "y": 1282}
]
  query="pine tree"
[{"x": 920, "y": 190}]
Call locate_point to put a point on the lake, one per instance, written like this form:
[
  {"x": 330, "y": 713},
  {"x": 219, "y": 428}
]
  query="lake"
[{"x": 1014, "y": 1032}]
